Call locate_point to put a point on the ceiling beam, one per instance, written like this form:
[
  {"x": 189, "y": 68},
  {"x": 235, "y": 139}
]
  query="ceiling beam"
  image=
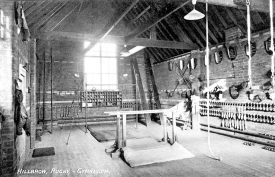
[
  {"x": 161, "y": 44},
  {"x": 143, "y": 12},
  {"x": 48, "y": 16},
  {"x": 64, "y": 18},
  {"x": 118, "y": 40},
  {"x": 217, "y": 13},
  {"x": 256, "y": 5},
  {"x": 152, "y": 22},
  {"x": 234, "y": 19},
  {"x": 189, "y": 30},
  {"x": 111, "y": 27},
  {"x": 31, "y": 9}
]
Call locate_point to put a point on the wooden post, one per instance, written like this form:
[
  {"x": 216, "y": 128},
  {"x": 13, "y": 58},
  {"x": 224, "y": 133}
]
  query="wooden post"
[
  {"x": 118, "y": 132},
  {"x": 173, "y": 128},
  {"x": 51, "y": 90},
  {"x": 33, "y": 96},
  {"x": 124, "y": 130},
  {"x": 148, "y": 66},
  {"x": 164, "y": 127},
  {"x": 144, "y": 104}
]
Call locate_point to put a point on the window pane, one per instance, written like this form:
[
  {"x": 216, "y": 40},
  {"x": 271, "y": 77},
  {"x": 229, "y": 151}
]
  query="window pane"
[
  {"x": 108, "y": 49},
  {"x": 105, "y": 79},
  {"x": 113, "y": 79},
  {"x": 93, "y": 79},
  {"x": 109, "y": 65},
  {"x": 95, "y": 51},
  {"x": 92, "y": 65}
]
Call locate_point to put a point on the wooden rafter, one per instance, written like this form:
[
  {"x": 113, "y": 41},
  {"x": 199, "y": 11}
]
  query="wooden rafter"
[
  {"x": 38, "y": 12},
  {"x": 161, "y": 34},
  {"x": 141, "y": 14},
  {"x": 33, "y": 8},
  {"x": 48, "y": 16},
  {"x": 234, "y": 19},
  {"x": 212, "y": 23},
  {"x": 194, "y": 24},
  {"x": 179, "y": 31},
  {"x": 152, "y": 22},
  {"x": 243, "y": 14},
  {"x": 218, "y": 14},
  {"x": 110, "y": 28},
  {"x": 169, "y": 34},
  {"x": 189, "y": 30},
  {"x": 64, "y": 18},
  {"x": 152, "y": 54},
  {"x": 256, "y": 5}
]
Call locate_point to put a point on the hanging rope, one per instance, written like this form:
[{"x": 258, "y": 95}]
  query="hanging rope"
[
  {"x": 208, "y": 86},
  {"x": 272, "y": 41},
  {"x": 249, "y": 43}
]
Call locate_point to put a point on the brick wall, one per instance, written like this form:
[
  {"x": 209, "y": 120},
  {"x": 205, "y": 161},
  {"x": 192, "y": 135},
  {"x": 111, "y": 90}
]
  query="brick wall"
[
  {"x": 13, "y": 52},
  {"x": 234, "y": 72},
  {"x": 7, "y": 146},
  {"x": 67, "y": 61}
]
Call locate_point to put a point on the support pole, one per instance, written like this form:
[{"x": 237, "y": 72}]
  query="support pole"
[
  {"x": 164, "y": 127},
  {"x": 174, "y": 128},
  {"x": 86, "y": 104},
  {"x": 118, "y": 132},
  {"x": 249, "y": 43},
  {"x": 124, "y": 130},
  {"x": 51, "y": 90},
  {"x": 44, "y": 90},
  {"x": 272, "y": 41}
]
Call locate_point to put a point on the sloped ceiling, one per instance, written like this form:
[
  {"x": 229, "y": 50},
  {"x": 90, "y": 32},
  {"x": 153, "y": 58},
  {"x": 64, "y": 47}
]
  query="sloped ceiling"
[{"x": 157, "y": 21}]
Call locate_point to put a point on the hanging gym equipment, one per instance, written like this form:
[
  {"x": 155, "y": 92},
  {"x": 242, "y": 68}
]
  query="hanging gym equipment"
[
  {"x": 218, "y": 55},
  {"x": 231, "y": 51}
]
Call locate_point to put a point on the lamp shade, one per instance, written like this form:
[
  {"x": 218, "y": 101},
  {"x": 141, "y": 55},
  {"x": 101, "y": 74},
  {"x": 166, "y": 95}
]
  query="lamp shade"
[{"x": 194, "y": 15}]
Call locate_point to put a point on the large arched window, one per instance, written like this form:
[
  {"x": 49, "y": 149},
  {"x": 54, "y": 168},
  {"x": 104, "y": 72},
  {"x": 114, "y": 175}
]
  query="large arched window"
[{"x": 100, "y": 67}]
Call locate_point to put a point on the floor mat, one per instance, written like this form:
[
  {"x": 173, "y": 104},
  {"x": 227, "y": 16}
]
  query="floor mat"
[
  {"x": 40, "y": 152},
  {"x": 110, "y": 134},
  {"x": 149, "y": 153}
]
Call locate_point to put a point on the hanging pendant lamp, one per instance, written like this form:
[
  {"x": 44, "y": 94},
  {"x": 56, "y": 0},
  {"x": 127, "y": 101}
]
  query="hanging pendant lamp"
[{"x": 194, "y": 14}]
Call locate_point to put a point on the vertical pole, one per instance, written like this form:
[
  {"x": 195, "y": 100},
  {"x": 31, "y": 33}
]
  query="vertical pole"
[
  {"x": 51, "y": 90},
  {"x": 173, "y": 128},
  {"x": 44, "y": 89},
  {"x": 249, "y": 43},
  {"x": 118, "y": 132},
  {"x": 124, "y": 130},
  {"x": 86, "y": 104},
  {"x": 164, "y": 127},
  {"x": 207, "y": 73},
  {"x": 272, "y": 41},
  {"x": 136, "y": 102}
]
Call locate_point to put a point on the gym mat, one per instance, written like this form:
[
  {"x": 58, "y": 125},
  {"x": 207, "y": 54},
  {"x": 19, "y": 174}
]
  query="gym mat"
[
  {"x": 40, "y": 152},
  {"x": 148, "y": 153}
]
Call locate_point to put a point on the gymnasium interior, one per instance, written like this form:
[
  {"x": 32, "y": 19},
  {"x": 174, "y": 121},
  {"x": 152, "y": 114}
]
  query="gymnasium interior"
[{"x": 128, "y": 88}]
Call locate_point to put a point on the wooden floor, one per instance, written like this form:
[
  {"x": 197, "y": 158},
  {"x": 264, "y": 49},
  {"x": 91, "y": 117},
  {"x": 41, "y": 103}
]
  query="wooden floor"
[{"x": 84, "y": 156}]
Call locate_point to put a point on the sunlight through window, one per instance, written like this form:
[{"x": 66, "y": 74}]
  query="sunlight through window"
[{"x": 100, "y": 66}]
